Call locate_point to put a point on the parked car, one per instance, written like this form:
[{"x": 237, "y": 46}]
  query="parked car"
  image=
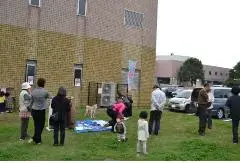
[
  {"x": 221, "y": 94},
  {"x": 179, "y": 90},
  {"x": 168, "y": 91},
  {"x": 181, "y": 101}
]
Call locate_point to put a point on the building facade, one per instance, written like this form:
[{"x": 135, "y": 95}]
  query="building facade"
[
  {"x": 73, "y": 42},
  {"x": 167, "y": 68}
]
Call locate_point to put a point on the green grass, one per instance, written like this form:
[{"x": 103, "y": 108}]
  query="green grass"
[{"x": 178, "y": 141}]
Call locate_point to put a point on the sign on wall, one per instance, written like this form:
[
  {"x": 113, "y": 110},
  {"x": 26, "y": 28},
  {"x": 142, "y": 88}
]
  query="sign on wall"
[{"x": 131, "y": 74}]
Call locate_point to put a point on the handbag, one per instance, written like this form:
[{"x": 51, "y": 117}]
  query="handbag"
[{"x": 54, "y": 117}]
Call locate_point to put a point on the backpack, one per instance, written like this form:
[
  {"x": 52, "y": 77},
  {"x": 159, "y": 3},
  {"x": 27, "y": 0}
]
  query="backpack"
[{"x": 119, "y": 128}]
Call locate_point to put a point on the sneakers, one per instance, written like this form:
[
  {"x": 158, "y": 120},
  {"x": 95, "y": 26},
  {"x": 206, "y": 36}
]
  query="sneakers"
[
  {"x": 21, "y": 139},
  {"x": 55, "y": 145},
  {"x": 30, "y": 141},
  {"x": 124, "y": 140},
  {"x": 202, "y": 134}
]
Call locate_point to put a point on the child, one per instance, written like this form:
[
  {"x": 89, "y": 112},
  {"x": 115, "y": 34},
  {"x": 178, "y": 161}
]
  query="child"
[
  {"x": 120, "y": 129},
  {"x": 9, "y": 103},
  {"x": 143, "y": 133},
  {"x": 25, "y": 100},
  {"x": 2, "y": 102}
]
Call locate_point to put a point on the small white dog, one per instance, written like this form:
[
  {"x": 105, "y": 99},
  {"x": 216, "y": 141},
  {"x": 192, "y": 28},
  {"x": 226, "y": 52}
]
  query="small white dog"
[{"x": 91, "y": 111}]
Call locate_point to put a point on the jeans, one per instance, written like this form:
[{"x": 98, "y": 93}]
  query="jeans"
[
  {"x": 154, "y": 121},
  {"x": 209, "y": 118},
  {"x": 203, "y": 115},
  {"x": 39, "y": 122},
  {"x": 235, "y": 124},
  {"x": 111, "y": 113},
  {"x": 24, "y": 127},
  {"x": 59, "y": 125},
  {"x": 142, "y": 145}
]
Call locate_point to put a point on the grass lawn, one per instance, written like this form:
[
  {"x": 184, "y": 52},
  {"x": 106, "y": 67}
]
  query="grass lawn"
[{"x": 178, "y": 140}]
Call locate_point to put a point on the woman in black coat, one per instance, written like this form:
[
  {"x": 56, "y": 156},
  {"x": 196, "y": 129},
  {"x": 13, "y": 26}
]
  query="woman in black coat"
[
  {"x": 233, "y": 103},
  {"x": 61, "y": 106}
]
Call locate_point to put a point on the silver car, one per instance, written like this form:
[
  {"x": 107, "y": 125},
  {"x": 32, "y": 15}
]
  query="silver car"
[{"x": 181, "y": 101}]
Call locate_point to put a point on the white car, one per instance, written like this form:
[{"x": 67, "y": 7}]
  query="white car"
[{"x": 181, "y": 101}]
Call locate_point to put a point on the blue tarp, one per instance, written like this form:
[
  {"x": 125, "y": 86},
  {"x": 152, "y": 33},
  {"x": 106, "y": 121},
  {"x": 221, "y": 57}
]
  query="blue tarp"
[{"x": 91, "y": 126}]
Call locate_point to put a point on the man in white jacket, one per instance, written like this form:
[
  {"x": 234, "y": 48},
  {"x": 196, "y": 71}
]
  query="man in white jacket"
[{"x": 158, "y": 102}]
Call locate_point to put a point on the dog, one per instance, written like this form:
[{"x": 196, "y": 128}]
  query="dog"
[{"x": 91, "y": 111}]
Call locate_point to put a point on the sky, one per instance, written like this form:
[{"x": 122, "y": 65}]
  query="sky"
[{"x": 206, "y": 29}]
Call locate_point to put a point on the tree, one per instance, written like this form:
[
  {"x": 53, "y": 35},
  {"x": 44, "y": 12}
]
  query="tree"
[
  {"x": 234, "y": 76},
  {"x": 191, "y": 70}
]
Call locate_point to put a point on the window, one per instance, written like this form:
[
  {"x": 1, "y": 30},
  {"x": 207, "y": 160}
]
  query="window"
[
  {"x": 30, "y": 72},
  {"x": 222, "y": 93},
  {"x": 133, "y": 19},
  {"x": 226, "y": 74},
  {"x": 82, "y": 6},
  {"x": 221, "y": 74},
  {"x": 77, "y": 75},
  {"x": 34, "y": 3},
  {"x": 216, "y": 73},
  {"x": 184, "y": 94},
  {"x": 210, "y": 73}
]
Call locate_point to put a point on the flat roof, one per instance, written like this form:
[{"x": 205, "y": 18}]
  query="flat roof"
[{"x": 181, "y": 58}]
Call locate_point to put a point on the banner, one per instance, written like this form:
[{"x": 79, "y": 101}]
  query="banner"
[{"x": 131, "y": 74}]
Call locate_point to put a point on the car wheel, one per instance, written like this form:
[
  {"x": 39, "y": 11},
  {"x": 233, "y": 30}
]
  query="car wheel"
[
  {"x": 220, "y": 114},
  {"x": 187, "y": 108}
]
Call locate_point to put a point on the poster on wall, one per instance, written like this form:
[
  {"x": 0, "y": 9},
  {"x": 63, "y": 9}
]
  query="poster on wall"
[
  {"x": 30, "y": 80},
  {"x": 77, "y": 82},
  {"x": 131, "y": 74}
]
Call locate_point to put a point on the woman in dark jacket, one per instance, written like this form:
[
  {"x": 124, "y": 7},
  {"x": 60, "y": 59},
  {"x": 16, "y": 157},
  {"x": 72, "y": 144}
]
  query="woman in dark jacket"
[
  {"x": 233, "y": 103},
  {"x": 61, "y": 106}
]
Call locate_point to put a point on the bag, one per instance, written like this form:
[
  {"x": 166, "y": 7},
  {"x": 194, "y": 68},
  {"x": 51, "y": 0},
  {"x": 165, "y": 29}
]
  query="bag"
[
  {"x": 54, "y": 117},
  {"x": 29, "y": 109}
]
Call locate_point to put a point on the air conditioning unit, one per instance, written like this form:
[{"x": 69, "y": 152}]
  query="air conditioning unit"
[{"x": 108, "y": 94}]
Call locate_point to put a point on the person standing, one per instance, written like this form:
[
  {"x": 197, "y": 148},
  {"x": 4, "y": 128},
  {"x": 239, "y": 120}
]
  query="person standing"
[
  {"x": 61, "y": 106},
  {"x": 9, "y": 103},
  {"x": 39, "y": 105},
  {"x": 209, "y": 111},
  {"x": 24, "y": 109},
  {"x": 142, "y": 133},
  {"x": 158, "y": 102},
  {"x": 203, "y": 105},
  {"x": 120, "y": 129},
  {"x": 2, "y": 102},
  {"x": 233, "y": 103}
]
